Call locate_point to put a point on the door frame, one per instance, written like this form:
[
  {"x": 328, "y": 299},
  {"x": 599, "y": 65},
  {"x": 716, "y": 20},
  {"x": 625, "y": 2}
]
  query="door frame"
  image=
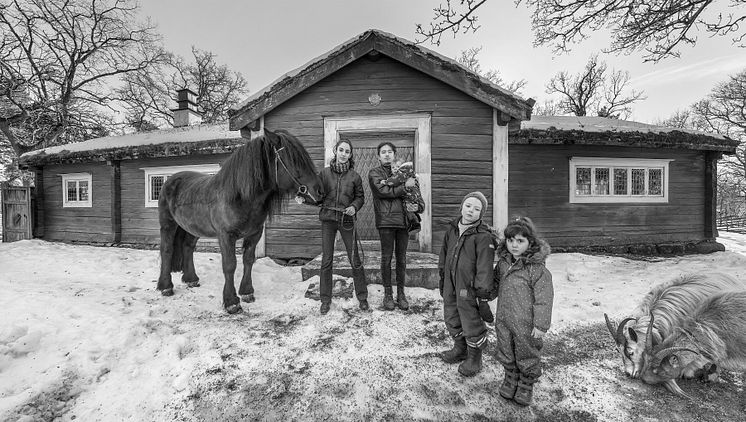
[{"x": 420, "y": 123}]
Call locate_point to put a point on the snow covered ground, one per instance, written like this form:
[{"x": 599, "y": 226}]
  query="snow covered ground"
[{"x": 84, "y": 335}]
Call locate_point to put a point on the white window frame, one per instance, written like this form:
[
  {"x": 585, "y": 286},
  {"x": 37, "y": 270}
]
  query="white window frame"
[
  {"x": 167, "y": 171},
  {"x": 77, "y": 177},
  {"x": 611, "y": 163}
]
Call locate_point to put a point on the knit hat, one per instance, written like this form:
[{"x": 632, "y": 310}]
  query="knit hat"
[{"x": 480, "y": 196}]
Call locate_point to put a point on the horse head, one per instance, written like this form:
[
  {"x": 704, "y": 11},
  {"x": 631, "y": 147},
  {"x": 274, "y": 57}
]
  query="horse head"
[{"x": 294, "y": 170}]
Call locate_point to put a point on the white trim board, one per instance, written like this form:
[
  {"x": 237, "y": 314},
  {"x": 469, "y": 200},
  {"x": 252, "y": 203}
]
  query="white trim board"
[
  {"x": 420, "y": 123},
  {"x": 500, "y": 167}
]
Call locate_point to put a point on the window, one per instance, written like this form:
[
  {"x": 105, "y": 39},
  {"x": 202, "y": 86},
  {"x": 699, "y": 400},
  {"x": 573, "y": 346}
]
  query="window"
[
  {"x": 155, "y": 178},
  {"x": 595, "y": 179},
  {"x": 76, "y": 190}
]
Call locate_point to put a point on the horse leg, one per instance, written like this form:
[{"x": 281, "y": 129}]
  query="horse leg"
[
  {"x": 231, "y": 302},
  {"x": 190, "y": 275},
  {"x": 168, "y": 232},
  {"x": 246, "y": 290}
]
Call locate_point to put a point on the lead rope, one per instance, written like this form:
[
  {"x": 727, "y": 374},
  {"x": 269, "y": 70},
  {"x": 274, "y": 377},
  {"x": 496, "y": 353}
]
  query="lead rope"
[{"x": 355, "y": 239}]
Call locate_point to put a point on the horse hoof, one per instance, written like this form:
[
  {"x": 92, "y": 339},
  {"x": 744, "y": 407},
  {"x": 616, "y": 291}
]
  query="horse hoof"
[
  {"x": 234, "y": 309},
  {"x": 167, "y": 292},
  {"x": 248, "y": 298},
  {"x": 192, "y": 283}
]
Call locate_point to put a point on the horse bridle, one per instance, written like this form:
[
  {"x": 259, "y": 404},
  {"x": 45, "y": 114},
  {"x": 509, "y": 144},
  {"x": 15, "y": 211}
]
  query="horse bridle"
[{"x": 302, "y": 189}]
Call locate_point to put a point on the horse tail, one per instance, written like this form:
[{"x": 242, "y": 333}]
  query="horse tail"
[{"x": 177, "y": 255}]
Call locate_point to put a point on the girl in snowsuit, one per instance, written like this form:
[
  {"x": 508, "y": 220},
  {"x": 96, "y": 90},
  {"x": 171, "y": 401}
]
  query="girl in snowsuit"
[
  {"x": 524, "y": 308},
  {"x": 466, "y": 283}
]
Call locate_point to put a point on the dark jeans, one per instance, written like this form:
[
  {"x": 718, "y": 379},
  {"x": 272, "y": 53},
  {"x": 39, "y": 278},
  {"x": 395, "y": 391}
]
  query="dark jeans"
[
  {"x": 328, "y": 233},
  {"x": 390, "y": 239}
]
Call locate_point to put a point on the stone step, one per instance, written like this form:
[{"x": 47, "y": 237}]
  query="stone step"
[{"x": 422, "y": 268}]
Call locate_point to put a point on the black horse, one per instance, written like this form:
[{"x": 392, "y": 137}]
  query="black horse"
[{"x": 234, "y": 203}]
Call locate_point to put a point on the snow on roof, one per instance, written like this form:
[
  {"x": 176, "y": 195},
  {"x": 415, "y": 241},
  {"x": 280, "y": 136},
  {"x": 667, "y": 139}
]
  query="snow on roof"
[
  {"x": 354, "y": 40},
  {"x": 602, "y": 124},
  {"x": 184, "y": 134}
]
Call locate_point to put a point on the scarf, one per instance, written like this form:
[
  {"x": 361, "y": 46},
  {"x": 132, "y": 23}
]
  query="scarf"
[{"x": 339, "y": 167}]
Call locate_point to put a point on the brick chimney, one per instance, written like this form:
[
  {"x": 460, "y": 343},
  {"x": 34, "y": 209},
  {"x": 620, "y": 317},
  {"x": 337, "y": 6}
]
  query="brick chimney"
[{"x": 187, "y": 112}]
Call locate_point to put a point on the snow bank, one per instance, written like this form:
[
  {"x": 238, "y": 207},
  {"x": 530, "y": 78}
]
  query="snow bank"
[{"x": 86, "y": 336}]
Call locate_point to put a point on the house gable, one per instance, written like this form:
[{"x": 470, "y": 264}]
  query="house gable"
[{"x": 375, "y": 43}]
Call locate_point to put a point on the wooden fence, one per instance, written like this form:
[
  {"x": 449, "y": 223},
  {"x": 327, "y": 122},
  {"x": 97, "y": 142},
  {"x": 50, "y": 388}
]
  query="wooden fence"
[{"x": 732, "y": 224}]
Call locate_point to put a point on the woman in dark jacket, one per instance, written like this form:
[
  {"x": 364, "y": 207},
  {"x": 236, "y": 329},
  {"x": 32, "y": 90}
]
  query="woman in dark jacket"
[
  {"x": 391, "y": 223},
  {"x": 344, "y": 198}
]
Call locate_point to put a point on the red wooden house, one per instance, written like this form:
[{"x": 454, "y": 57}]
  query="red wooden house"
[{"x": 586, "y": 182}]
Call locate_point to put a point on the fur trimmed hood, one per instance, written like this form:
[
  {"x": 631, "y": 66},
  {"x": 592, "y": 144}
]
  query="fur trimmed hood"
[{"x": 538, "y": 256}]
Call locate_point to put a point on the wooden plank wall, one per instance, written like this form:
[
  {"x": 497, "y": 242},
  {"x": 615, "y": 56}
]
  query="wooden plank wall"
[
  {"x": 539, "y": 189},
  {"x": 140, "y": 224},
  {"x": 78, "y": 224},
  {"x": 461, "y": 140}
]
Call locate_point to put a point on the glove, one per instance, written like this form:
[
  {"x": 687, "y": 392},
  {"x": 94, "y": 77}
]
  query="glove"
[{"x": 484, "y": 310}]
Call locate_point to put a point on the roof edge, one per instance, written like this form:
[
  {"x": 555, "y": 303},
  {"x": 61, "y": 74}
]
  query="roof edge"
[{"x": 424, "y": 60}]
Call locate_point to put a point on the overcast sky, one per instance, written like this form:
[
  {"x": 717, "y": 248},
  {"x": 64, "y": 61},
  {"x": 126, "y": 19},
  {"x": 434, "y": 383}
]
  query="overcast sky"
[{"x": 265, "y": 39}]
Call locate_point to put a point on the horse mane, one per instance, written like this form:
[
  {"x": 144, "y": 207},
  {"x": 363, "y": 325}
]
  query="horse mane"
[{"x": 250, "y": 171}]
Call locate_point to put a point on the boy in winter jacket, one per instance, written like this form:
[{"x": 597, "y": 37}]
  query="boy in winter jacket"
[
  {"x": 524, "y": 308},
  {"x": 466, "y": 283}
]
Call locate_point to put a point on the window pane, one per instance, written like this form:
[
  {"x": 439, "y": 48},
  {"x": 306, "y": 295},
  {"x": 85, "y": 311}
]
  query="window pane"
[
  {"x": 582, "y": 181},
  {"x": 602, "y": 181},
  {"x": 156, "y": 183},
  {"x": 620, "y": 181},
  {"x": 83, "y": 189},
  {"x": 72, "y": 190},
  {"x": 638, "y": 181},
  {"x": 655, "y": 182}
]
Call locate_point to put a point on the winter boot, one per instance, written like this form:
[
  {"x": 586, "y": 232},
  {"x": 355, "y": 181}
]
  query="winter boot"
[
  {"x": 325, "y": 306},
  {"x": 525, "y": 392},
  {"x": 457, "y": 353},
  {"x": 401, "y": 300},
  {"x": 510, "y": 383},
  {"x": 473, "y": 363},
  {"x": 388, "y": 300},
  {"x": 364, "y": 304}
]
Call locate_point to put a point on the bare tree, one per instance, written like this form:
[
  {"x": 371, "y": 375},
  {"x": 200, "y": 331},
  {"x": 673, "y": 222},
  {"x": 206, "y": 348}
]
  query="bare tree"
[
  {"x": 454, "y": 17},
  {"x": 469, "y": 59},
  {"x": 594, "y": 91},
  {"x": 55, "y": 61},
  {"x": 659, "y": 27},
  {"x": 723, "y": 111},
  {"x": 547, "y": 108},
  {"x": 148, "y": 95},
  {"x": 681, "y": 119}
]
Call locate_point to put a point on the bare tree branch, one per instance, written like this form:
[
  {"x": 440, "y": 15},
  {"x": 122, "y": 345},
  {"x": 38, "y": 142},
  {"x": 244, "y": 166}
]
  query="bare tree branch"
[
  {"x": 148, "y": 95},
  {"x": 657, "y": 27},
  {"x": 448, "y": 18},
  {"x": 56, "y": 61},
  {"x": 469, "y": 59},
  {"x": 593, "y": 91}
]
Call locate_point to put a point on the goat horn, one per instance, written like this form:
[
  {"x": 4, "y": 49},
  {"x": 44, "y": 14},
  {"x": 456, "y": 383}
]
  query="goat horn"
[
  {"x": 620, "y": 329},
  {"x": 617, "y": 333},
  {"x": 659, "y": 355},
  {"x": 613, "y": 331},
  {"x": 674, "y": 388},
  {"x": 649, "y": 335}
]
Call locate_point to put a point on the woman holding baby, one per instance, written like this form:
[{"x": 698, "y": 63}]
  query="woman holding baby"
[{"x": 391, "y": 222}]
